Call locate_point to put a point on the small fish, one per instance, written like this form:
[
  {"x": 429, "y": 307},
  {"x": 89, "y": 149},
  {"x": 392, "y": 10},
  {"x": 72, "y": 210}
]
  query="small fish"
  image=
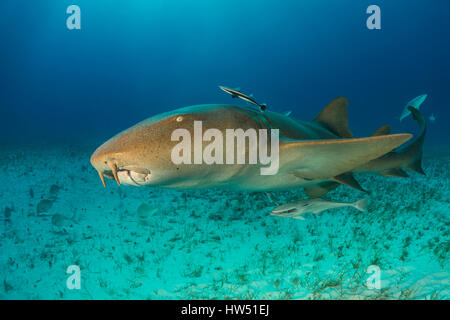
[
  {"x": 235, "y": 93},
  {"x": 297, "y": 209},
  {"x": 415, "y": 103},
  {"x": 432, "y": 118}
]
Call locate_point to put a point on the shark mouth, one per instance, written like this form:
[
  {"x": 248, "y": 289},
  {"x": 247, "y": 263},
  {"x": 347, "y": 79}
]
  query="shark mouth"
[{"x": 129, "y": 175}]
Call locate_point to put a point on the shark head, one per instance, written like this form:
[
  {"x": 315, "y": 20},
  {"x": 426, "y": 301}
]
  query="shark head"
[{"x": 142, "y": 154}]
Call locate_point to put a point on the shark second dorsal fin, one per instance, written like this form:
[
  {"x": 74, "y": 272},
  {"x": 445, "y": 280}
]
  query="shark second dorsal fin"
[
  {"x": 382, "y": 131},
  {"x": 334, "y": 117}
]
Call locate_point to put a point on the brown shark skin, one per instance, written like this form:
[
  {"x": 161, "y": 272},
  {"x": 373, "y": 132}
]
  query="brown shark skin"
[{"x": 147, "y": 146}]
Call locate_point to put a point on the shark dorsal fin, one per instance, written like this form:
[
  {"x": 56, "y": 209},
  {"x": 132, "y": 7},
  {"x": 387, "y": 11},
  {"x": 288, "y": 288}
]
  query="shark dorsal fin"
[
  {"x": 334, "y": 117},
  {"x": 382, "y": 131}
]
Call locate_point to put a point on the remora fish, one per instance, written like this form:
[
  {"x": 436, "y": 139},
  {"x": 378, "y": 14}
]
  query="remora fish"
[
  {"x": 297, "y": 209},
  {"x": 235, "y": 93},
  {"x": 310, "y": 152},
  {"x": 415, "y": 103},
  {"x": 432, "y": 118}
]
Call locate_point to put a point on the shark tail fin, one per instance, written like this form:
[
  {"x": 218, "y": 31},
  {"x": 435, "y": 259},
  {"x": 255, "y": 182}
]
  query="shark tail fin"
[
  {"x": 361, "y": 205},
  {"x": 415, "y": 149},
  {"x": 334, "y": 118},
  {"x": 416, "y": 166}
]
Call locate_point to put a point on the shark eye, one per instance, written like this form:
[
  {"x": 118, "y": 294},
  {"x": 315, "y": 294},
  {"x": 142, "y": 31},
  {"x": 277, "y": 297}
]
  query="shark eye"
[{"x": 179, "y": 119}]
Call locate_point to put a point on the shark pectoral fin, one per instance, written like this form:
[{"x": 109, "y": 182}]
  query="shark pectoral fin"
[
  {"x": 324, "y": 159},
  {"x": 396, "y": 172},
  {"x": 384, "y": 130},
  {"x": 348, "y": 179},
  {"x": 299, "y": 218},
  {"x": 321, "y": 189}
]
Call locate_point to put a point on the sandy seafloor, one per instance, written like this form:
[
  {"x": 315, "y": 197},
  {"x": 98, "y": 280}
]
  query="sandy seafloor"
[{"x": 150, "y": 243}]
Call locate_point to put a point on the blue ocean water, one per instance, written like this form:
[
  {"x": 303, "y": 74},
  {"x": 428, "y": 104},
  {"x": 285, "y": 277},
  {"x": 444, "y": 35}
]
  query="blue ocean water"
[{"x": 64, "y": 92}]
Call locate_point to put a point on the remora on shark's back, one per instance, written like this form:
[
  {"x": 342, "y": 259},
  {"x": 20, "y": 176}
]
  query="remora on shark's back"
[{"x": 236, "y": 93}]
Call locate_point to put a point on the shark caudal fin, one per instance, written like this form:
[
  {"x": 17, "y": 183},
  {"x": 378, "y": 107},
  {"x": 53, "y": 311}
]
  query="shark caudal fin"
[
  {"x": 361, "y": 205},
  {"x": 415, "y": 150},
  {"x": 411, "y": 155},
  {"x": 334, "y": 118}
]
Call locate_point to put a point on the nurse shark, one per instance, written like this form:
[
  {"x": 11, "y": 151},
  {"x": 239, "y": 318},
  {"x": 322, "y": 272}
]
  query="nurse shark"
[{"x": 318, "y": 155}]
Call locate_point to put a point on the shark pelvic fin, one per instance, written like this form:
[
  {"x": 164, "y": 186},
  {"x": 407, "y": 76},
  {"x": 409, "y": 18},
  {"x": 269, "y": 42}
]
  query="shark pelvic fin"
[
  {"x": 348, "y": 179},
  {"x": 325, "y": 159},
  {"x": 382, "y": 131},
  {"x": 321, "y": 189},
  {"x": 334, "y": 118}
]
